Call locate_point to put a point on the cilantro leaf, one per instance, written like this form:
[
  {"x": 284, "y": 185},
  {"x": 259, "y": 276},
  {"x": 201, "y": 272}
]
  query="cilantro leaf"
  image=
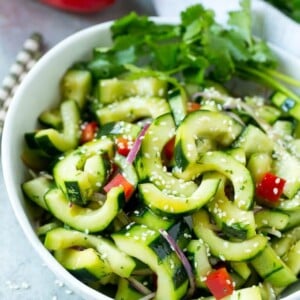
[
  {"x": 221, "y": 63},
  {"x": 240, "y": 21},
  {"x": 194, "y": 20},
  {"x": 131, "y": 24},
  {"x": 262, "y": 55}
]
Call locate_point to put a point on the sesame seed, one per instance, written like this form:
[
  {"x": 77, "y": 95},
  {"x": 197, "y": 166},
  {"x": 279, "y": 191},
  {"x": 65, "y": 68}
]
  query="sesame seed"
[
  {"x": 25, "y": 285},
  {"x": 222, "y": 257},
  {"x": 277, "y": 180},
  {"x": 59, "y": 283},
  {"x": 12, "y": 285},
  {"x": 187, "y": 235}
]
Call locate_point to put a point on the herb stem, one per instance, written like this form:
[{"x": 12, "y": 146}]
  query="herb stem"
[
  {"x": 258, "y": 74},
  {"x": 283, "y": 77}
]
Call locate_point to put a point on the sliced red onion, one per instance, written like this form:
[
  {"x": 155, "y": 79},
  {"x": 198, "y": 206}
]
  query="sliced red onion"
[
  {"x": 148, "y": 297},
  {"x": 183, "y": 259},
  {"x": 137, "y": 144},
  {"x": 257, "y": 208},
  {"x": 98, "y": 197},
  {"x": 139, "y": 286},
  {"x": 235, "y": 117}
]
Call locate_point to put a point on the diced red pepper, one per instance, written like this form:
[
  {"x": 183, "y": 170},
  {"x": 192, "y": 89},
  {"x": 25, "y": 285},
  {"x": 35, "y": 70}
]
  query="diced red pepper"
[
  {"x": 193, "y": 106},
  {"x": 123, "y": 146},
  {"x": 270, "y": 188},
  {"x": 88, "y": 132},
  {"x": 168, "y": 151},
  {"x": 220, "y": 283},
  {"x": 120, "y": 180}
]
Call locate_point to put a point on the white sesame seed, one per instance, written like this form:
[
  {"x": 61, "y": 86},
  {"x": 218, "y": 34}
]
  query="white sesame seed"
[
  {"x": 59, "y": 283},
  {"x": 277, "y": 180},
  {"x": 25, "y": 285}
]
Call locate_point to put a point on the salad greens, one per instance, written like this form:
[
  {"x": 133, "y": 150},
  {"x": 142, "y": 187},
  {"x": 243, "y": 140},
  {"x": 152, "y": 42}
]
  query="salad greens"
[
  {"x": 156, "y": 181},
  {"x": 197, "y": 45},
  {"x": 197, "y": 49}
]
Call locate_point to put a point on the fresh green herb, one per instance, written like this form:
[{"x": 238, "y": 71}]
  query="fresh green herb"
[{"x": 195, "y": 50}]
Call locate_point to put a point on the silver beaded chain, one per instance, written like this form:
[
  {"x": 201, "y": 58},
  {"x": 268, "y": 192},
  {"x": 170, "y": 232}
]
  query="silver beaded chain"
[{"x": 27, "y": 57}]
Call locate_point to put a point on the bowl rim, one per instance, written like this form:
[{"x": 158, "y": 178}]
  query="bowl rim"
[{"x": 56, "y": 268}]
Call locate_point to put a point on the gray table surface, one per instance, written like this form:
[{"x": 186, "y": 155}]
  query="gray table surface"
[{"x": 23, "y": 275}]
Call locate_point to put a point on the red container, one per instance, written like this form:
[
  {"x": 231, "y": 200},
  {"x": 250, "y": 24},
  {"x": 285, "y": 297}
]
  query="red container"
[{"x": 80, "y": 6}]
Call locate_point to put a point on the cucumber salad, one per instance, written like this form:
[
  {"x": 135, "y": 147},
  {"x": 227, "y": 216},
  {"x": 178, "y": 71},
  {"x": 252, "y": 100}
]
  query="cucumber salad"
[{"x": 161, "y": 174}]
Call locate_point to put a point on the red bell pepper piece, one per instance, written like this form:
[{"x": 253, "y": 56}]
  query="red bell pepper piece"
[
  {"x": 168, "y": 150},
  {"x": 123, "y": 146},
  {"x": 88, "y": 132},
  {"x": 270, "y": 188},
  {"x": 220, "y": 283},
  {"x": 79, "y": 6},
  {"x": 193, "y": 106},
  {"x": 120, "y": 180}
]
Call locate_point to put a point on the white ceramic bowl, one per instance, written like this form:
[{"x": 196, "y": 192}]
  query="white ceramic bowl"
[{"x": 38, "y": 92}]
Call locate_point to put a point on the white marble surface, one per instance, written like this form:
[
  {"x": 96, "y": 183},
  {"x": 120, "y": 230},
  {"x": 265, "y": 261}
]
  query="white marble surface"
[{"x": 22, "y": 273}]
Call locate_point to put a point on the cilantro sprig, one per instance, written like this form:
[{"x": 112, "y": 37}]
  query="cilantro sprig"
[
  {"x": 198, "y": 45},
  {"x": 196, "y": 49}
]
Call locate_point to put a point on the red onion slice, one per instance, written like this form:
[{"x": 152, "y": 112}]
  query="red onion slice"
[
  {"x": 139, "y": 286},
  {"x": 137, "y": 144},
  {"x": 183, "y": 259}
]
